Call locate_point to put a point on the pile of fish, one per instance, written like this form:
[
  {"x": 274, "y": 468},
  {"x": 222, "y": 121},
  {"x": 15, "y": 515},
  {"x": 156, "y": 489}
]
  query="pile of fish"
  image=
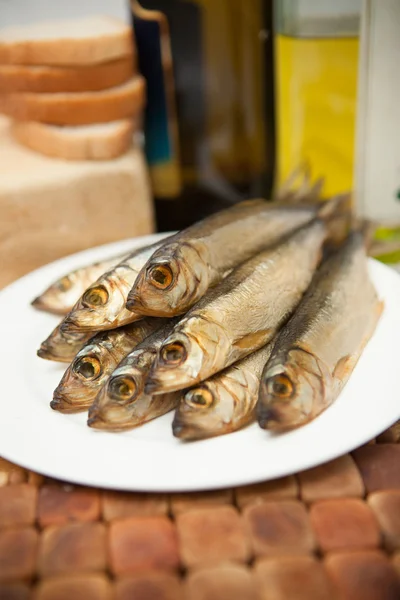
[{"x": 257, "y": 313}]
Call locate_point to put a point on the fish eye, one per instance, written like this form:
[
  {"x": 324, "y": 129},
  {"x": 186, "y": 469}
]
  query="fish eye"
[
  {"x": 160, "y": 276},
  {"x": 64, "y": 284},
  {"x": 280, "y": 385},
  {"x": 87, "y": 367},
  {"x": 173, "y": 353},
  {"x": 122, "y": 387},
  {"x": 97, "y": 296},
  {"x": 199, "y": 398}
]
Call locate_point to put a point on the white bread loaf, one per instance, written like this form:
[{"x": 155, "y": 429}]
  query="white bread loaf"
[
  {"x": 121, "y": 102},
  {"x": 85, "y": 142},
  {"x": 23, "y": 78},
  {"x": 50, "y": 208},
  {"x": 85, "y": 41}
]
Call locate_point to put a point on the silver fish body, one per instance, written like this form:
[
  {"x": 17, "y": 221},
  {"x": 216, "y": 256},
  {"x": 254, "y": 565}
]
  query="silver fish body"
[
  {"x": 181, "y": 271},
  {"x": 122, "y": 403},
  {"x": 317, "y": 350},
  {"x": 95, "y": 362},
  {"x": 60, "y": 297},
  {"x": 61, "y": 346},
  {"x": 224, "y": 403},
  {"x": 102, "y": 305},
  {"x": 241, "y": 314}
]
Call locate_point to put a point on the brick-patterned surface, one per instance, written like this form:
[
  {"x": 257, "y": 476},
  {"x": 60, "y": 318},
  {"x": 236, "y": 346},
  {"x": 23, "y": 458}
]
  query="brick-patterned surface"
[{"x": 329, "y": 533}]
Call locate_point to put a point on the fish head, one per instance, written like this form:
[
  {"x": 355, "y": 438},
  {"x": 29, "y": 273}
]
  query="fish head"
[
  {"x": 171, "y": 282},
  {"x": 62, "y": 345},
  {"x": 203, "y": 411},
  {"x": 102, "y": 304},
  {"x": 122, "y": 403},
  {"x": 293, "y": 391},
  {"x": 83, "y": 379},
  {"x": 58, "y": 296}
]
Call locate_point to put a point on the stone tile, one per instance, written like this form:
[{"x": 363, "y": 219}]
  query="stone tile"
[
  {"x": 76, "y": 547},
  {"x": 10, "y": 473},
  {"x": 87, "y": 587},
  {"x": 194, "y": 500},
  {"x": 386, "y": 507},
  {"x": 152, "y": 585},
  {"x": 226, "y": 582},
  {"x": 345, "y": 524},
  {"x": 390, "y": 436},
  {"x": 335, "y": 479},
  {"x": 278, "y": 528},
  {"x": 379, "y": 466},
  {"x": 17, "y": 505},
  {"x": 285, "y": 488},
  {"x": 367, "y": 575},
  {"x": 59, "y": 504},
  {"x": 121, "y": 505},
  {"x": 15, "y": 591},
  {"x": 293, "y": 578},
  {"x": 18, "y": 549},
  {"x": 209, "y": 536},
  {"x": 138, "y": 544}
]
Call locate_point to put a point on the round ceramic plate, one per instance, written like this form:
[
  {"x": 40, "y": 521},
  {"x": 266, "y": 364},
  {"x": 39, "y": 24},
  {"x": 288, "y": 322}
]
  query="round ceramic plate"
[{"x": 149, "y": 458}]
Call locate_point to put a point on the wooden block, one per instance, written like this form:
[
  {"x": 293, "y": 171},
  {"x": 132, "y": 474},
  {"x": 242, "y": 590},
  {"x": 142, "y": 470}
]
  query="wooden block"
[
  {"x": 293, "y": 578},
  {"x": 386, "y": 507},
  {"x": 151, "y": 585},
  {"x": 285, "y": 488},
  {"x": 335, "y": 479},
  {"x": 73, "y": 548},
  {"x": 210, "y": 536},
  {"x": 59, "y": 504},
  {"x": 363, "y": 576},
  {"x": 18, "y": 549},
  {"x": 194, "y": 500},
  {"x": 138, "y": 544},
  {"x": 10, "y": 473},
  {"x": 278, "y": 528},
  {"x": 88, "y": 587},
  {"x": 346, "y": 524},
  {"x": 230, "y": 582},
  {"x": 15, "y": 591},
  {"x": 379, "y": 466},
  {"x": 17, "y": 505},
  {"x": 121, "y": 505},
  {"x": 63, "y": 206}
]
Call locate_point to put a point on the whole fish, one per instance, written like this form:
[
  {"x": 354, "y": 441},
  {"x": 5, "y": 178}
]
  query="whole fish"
[
  {"x": 62, "y": 345},
  {"x": 102, "y": 305},
  {"x": 181, "y": 271},
  {"x": 224, "y": 403},
  {"x": 122, "y": 403},
  {"x": 316, "y": 351},
  {"x": 241, "y": 314},
  {"x": 60, "y": 297},
  {"x": 95, "y": 362}
]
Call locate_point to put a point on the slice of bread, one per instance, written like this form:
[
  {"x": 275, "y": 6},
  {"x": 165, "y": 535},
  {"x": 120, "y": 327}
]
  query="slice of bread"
[
  {"x": 85, "y": 41},
  {"x": 86, "y": 142},
  {"x": 76, "y": 108},
  {"x": 22, "y": 78}
]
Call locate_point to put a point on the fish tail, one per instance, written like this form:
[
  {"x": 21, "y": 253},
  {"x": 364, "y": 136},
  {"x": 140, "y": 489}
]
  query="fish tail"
[
  {"x": 337, "y": 214},
  {"x": 366, "y": 228}
]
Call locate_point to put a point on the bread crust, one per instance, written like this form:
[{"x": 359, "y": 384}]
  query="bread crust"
[
  {"x": 84, "y": 108},
  {"x": 39, "y": 79}
]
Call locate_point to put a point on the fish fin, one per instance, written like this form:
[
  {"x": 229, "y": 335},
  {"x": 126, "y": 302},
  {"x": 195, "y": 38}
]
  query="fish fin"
[
  {"x": 253, "y": 341},
  {"x": 344, "y": 367},
  {"x": 337, "y": 215},
  {"x": 298, "y": 187}
]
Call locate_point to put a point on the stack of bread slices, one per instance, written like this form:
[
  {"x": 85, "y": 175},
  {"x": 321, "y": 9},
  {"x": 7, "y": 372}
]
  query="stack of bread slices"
[{"x": 71, "y": 88}]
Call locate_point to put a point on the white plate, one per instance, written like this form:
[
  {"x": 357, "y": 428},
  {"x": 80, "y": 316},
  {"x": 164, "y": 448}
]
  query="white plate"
[{"x": 150, "y": 458}]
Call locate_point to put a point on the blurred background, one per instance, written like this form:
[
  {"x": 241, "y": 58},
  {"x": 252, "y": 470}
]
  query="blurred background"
[{"x": 241, "y": 93}]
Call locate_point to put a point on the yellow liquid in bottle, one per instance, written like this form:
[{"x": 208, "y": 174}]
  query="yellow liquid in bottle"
[{"x": 316, "y": 86}]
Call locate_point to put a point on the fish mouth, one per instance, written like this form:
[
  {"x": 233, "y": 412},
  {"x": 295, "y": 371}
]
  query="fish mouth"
[
  {"x": 269, "y": 418},
  {"x": 84, "y": 320},
  {"x": 185, "y": 431},
  {"x": 62, "y": 404},
  {"x": 137, "y": 306},
  {"x": 46, "y": 353},
  {"x": 40, "y": 304},
  {"x": 96, "y": 421}
]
